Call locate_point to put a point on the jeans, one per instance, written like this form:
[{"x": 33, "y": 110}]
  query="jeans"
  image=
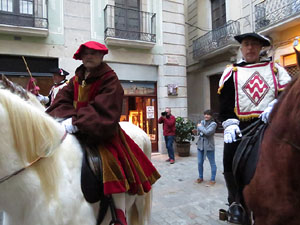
[
  {"x": 169, "y": 144},
  {"x": 211, "y": 157}
]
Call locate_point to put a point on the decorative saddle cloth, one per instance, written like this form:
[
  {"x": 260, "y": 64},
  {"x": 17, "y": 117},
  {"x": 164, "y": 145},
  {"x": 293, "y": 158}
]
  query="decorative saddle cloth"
[
  {"x": 247, "y": 154},
  {"x": 119, "y": 166}
]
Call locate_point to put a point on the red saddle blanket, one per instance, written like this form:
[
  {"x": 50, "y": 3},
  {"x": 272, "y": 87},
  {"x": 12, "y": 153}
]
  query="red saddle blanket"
[{"x": 125, "y": 166}]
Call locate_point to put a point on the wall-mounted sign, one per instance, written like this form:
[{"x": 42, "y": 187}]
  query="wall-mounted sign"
[
  {"x": 150, "y": 112},
  {"x": 173, "y": 89}
]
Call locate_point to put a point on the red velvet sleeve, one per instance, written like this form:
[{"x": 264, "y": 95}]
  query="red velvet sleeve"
[{"x": 99, "y": 119}]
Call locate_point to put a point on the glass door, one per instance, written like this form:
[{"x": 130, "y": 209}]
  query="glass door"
[{"x": 141, "y": 111}]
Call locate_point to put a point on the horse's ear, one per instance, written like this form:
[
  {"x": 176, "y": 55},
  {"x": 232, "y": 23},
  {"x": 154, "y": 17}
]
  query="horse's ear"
[
  {"x": 14, "y": 88},
  {"x": 298, "y": 57}
]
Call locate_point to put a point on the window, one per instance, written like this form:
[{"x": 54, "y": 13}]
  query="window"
[
  {"x": 26, "y": 7},
  {"x": 127, "y": 22},
  {"x": 6, "y": 5},
  {"x": 17, "y": 12},
  {"x": 17, "y": 6},
  {"x": 218, "y": 13}
]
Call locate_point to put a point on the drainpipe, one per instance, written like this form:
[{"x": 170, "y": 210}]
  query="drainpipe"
[{"x": 251, "y": 16}]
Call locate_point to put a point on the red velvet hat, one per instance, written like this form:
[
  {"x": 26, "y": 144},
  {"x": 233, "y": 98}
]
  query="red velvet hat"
[{"x": 92, "y": 45}]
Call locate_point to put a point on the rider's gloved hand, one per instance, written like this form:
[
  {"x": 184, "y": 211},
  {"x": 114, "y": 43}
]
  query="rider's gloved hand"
[
  {"x": 231, "y": 130},
  {"x": 69, "y": 127},
  {"x": 266, "y": 113},
  {"x": 42, "y": 99}
]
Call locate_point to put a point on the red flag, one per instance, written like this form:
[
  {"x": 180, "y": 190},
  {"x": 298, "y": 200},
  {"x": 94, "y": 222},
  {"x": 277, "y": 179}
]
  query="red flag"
[{"x": 32, "y": 87}]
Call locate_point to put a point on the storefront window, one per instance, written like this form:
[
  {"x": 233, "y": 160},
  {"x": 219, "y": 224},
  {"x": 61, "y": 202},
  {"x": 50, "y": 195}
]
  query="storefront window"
[{"x": 139, "y": 108}]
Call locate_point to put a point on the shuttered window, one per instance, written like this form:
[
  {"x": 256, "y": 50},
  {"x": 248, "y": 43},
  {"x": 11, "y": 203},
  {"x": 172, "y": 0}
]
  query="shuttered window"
[{"x": 218, "y": 13}]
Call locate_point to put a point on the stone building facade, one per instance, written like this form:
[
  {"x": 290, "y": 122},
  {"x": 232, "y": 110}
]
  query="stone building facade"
[
  {"x": 211, "y": 26},
  {"x": 146, "y": 41}
]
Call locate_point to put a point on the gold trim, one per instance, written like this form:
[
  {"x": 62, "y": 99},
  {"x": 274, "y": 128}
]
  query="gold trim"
[{"x": 246, "y": 117}]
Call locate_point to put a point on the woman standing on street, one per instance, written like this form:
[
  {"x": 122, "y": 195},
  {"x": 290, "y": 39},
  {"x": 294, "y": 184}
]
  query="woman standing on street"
[{"x": 206, "y": 146}]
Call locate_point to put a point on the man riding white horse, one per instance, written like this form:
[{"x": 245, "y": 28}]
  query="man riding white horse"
[
  {"x": 91, "y": 105},
  {"x": 248, "y": 90}
]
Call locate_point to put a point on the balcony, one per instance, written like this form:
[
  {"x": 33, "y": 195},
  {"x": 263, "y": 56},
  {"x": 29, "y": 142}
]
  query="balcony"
[
  {"x": 27, "y": 17},
  {"x": 216, "y": 40},
  {"x": 129, "y": 27},
  {"x": 270, "y": 13}
]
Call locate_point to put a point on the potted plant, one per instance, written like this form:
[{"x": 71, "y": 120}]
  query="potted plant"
[{"x": 184, "y": 135}]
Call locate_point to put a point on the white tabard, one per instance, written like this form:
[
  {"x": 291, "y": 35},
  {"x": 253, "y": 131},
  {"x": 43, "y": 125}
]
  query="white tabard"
[{"x": 256, "y": 85}]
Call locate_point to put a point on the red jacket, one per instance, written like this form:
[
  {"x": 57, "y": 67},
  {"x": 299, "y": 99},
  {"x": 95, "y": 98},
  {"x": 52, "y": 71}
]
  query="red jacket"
[{"x": 168, "y": 125}]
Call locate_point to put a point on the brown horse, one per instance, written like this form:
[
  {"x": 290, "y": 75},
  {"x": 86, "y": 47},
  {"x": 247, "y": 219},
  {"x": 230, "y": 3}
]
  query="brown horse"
[{"x": 273, "y": 194}]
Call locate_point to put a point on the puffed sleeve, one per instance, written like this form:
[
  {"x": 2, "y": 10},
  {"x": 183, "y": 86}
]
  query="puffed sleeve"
[{"x": 283, "y": 77}]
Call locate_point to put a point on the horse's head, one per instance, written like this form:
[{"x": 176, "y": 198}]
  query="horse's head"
[
  {"x": 5, "y": 83},
  {"x": 27, "y": 133}
]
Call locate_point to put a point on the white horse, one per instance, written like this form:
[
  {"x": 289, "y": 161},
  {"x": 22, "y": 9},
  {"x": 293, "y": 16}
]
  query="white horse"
[{"x": 48, "y": 191}]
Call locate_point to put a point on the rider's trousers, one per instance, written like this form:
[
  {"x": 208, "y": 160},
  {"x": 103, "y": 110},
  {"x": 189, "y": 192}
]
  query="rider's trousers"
[{"x": 233, "y": 190}]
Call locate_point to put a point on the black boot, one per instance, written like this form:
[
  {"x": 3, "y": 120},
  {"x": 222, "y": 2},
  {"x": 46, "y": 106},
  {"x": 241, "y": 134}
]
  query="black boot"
[
  {"x": 235, "y": 212},
  {"x": 232, "y": 187}
]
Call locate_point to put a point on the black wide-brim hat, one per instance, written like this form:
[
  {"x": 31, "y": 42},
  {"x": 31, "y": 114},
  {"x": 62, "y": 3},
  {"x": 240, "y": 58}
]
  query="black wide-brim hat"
[
  {"x": 59, "y": 71},
  {"x": 264, "y": 40}
]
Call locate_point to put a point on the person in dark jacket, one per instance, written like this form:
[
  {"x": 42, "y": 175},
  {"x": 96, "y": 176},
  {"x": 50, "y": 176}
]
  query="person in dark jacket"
[
  {"x": 248, "y": 90},
  {"x": 206, "y": 146},
  {"x": 168, "y": 121}
]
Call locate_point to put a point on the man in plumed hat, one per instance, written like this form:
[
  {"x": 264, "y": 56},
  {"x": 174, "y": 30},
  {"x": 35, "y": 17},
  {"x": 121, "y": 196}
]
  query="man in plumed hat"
[
  {"x": 59, "y": 81},
  {"x": 91, "y": 105},
  {"x": 248, "y": 90}
]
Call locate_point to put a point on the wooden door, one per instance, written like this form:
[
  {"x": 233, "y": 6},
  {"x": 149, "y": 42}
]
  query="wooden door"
[{"x": 127, "y": 19}]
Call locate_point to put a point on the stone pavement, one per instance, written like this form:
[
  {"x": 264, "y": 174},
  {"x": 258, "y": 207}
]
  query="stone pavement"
[{"x": 178, "y": 200}]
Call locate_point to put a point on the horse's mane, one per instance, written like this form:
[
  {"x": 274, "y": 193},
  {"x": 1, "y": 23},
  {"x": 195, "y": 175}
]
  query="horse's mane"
[{"x": 35, "y": 134}]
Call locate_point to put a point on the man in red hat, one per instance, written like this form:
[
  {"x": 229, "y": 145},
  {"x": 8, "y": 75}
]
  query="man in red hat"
[
  {"x": 59, "y": 81},
  {"x": 91, "y": 104},
  {"x": 248, "y": 90}
]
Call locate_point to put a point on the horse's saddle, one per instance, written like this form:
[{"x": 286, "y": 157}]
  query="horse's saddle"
[
  {"x": 247, "y": 154},
  {"x": 91, "y": 175}
]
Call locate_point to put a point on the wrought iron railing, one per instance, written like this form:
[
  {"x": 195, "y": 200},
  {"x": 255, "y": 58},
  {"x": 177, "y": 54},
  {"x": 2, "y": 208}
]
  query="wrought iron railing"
[
  {"x": 270, "y": 12},
  {"x": 130, "y": 24},
  {"x": 27, "y": 13},
  {"x": 216, "y": 39}
]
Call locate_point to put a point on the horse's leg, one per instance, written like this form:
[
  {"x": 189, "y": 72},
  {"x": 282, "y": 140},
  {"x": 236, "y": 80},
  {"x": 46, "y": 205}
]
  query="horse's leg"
[
  {"x": 138, "y": 208},
  {"x": 120, "y": 204}
]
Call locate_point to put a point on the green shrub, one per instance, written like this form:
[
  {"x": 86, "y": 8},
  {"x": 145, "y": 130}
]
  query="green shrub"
[{"x": 184, "y": 130}]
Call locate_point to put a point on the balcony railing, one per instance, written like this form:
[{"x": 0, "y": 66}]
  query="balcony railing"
[
  {"x": 270, "y": 12},
  {"x": 216, "y": 39},
  {"x": 129, "y": 24},
  {"x": 28, "y": 13}
]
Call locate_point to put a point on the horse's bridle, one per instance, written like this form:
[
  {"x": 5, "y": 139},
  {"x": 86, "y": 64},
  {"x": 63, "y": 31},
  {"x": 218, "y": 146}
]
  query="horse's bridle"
[{"x": 7, "y": 177}]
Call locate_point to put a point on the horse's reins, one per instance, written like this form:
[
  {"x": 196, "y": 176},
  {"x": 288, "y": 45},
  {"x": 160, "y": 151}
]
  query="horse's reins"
[{"x": 7, "y": 177}]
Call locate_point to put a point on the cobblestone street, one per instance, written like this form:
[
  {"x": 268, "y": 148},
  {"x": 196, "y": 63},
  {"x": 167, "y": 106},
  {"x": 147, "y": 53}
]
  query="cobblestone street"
[{"x": 178, "y": 200}]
